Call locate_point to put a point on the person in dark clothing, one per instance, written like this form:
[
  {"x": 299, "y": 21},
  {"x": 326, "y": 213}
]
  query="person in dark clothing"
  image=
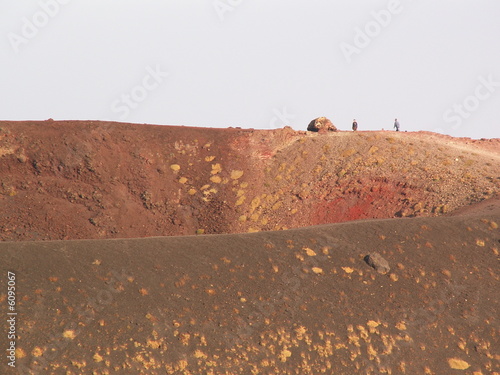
[
  {"x": 354, "y": 125},
  {"x": 396, "y": 125}
]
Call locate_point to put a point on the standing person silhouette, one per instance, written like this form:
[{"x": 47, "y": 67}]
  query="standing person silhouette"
[
  {"x": 396, "y": 125},
  {"x": 354, "y": 125}
]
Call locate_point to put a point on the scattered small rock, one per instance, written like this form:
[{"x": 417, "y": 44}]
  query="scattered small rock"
[{"x": 376, "y": 261}]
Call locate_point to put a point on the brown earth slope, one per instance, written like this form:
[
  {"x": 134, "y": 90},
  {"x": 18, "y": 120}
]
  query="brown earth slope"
[
  {"x": 301, "y": 301},
  {"x": 77, "y": 180}
]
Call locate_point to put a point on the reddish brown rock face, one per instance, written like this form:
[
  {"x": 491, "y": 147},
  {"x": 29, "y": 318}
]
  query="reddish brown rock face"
[{"x": 75, "y": 180}]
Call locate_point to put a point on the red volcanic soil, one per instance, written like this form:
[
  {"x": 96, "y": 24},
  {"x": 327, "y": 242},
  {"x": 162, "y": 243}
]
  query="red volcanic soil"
[{"x": 76, "y": 180}]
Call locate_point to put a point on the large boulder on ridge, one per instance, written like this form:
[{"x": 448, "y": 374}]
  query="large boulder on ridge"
[{"x": 321, "y": 124}]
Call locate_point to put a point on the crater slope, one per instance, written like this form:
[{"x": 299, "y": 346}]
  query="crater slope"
[{"x": 77, "y": 180}]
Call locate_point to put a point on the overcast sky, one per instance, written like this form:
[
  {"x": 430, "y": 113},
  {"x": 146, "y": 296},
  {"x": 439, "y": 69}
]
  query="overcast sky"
[{"x": 433, "y": 64}]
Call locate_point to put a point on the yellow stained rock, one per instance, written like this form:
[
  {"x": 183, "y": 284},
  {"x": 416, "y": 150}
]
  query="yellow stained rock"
[
  {"x": 284, "y": 355},
  {"x": 69, "y": 334},
  {"x": 216, "y": 168},
  {"x": 79, "y": 364},
  {"x": 458, "y": 364},
  {"x": 401, "y": 326},
  {"x": 255, "y": 203},
  {"x": 20, "y": 353},
  {"x": 216, "y": 179},
  {"x": 175, "y": 167},
  {"x": 37, "y": 352},
  {"x": 309, "y": 251},
  {"x": 199, "y": 354},
  {"x": 153, "y": 344},
  {"x": 348, "y": 152},
  {"x": 236, "y": 174},
  {"x": 348, "y": 269}
]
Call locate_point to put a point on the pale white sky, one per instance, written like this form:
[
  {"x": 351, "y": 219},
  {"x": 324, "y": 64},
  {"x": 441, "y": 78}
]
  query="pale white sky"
[{"x": 433, "y": 64}]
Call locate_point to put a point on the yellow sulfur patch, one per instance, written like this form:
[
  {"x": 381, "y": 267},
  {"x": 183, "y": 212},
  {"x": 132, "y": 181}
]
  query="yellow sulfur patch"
[
  {"x": 216, "y": 168},
  {"x": 284, "y": 355},
  {"x": 200, "y": 354},
  {"x": 310, "y": 252},
  {"x": 20, "y": 353},
  {"x": 236, "y": 174},
  {"x": 401, "y": 326},
  {"x": 69, "y": 334},
  {"x": 37, "y": 352},
  {"x": 458, "y": 364},
  {"x": 216, "y": 179}
]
